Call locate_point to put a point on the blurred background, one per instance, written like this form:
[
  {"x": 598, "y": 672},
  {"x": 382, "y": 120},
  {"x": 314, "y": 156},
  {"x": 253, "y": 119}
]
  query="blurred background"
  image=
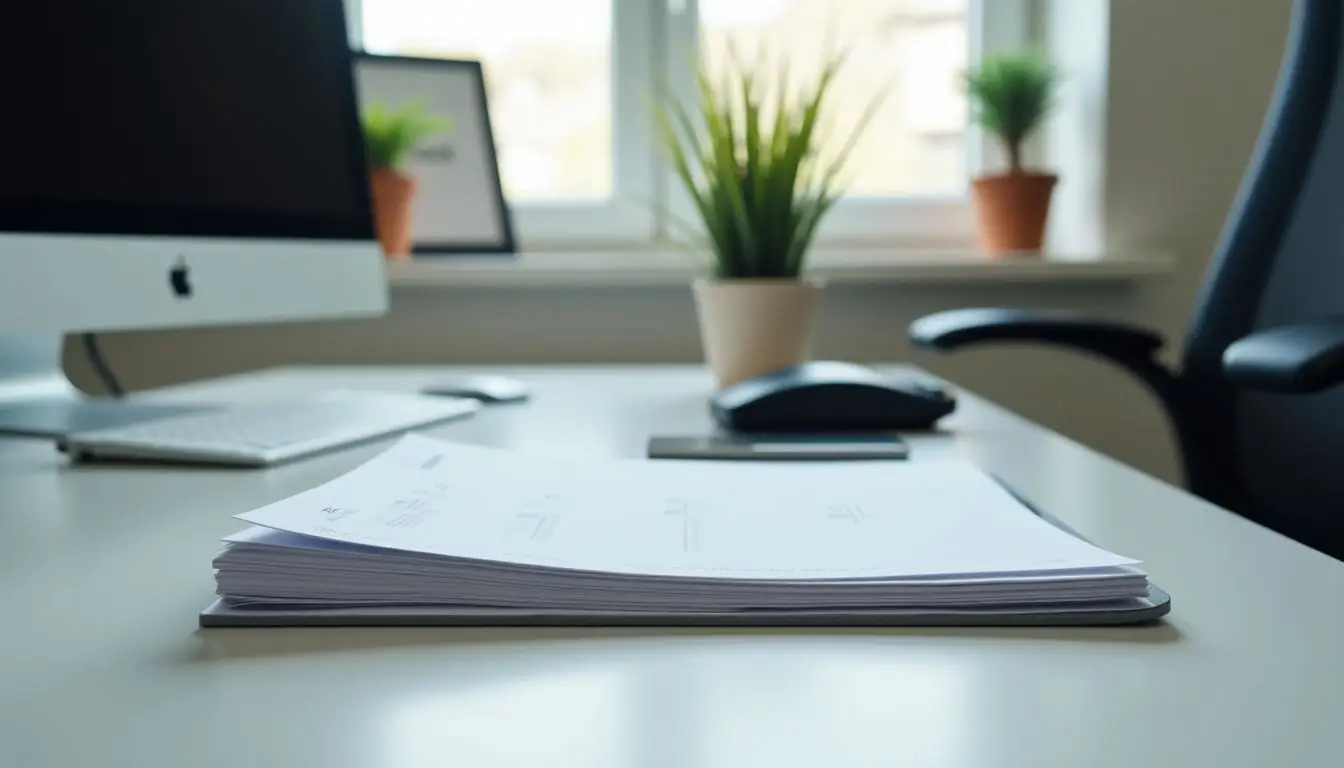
[
  {"x": 1174, "y": 96},
  {"x": 551, "y": 89}
]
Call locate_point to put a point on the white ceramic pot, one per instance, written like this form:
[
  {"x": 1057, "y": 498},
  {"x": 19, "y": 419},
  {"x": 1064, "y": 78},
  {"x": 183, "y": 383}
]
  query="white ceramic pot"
[{"x": 751, "y": 327}]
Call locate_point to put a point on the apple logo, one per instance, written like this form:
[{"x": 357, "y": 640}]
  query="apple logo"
[{"x": 179, "y": 279}]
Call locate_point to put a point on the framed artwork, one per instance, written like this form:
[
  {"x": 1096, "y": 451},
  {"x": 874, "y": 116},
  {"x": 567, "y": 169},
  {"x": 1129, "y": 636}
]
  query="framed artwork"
[{"x": 460, "y": 207}]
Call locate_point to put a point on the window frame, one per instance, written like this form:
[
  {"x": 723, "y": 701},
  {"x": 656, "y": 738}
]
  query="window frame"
[{"x": 649, "y": 44}]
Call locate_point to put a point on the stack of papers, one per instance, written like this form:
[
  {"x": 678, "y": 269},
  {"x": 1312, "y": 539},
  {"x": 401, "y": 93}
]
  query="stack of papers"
[{"x": 430, "y": 523}]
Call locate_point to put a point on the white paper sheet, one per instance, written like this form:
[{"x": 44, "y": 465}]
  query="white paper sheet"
[{"x": 690, "y": 519}]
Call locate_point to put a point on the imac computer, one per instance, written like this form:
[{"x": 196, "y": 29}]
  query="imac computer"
[{"x": 166, "y": 163}]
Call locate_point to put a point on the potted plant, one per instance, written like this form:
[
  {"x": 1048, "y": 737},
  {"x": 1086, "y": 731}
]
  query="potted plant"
[
  {"x": 390, "y": 135},
  {"x": 760, "y": 183},
  {"x": 1011, "y": 95}
]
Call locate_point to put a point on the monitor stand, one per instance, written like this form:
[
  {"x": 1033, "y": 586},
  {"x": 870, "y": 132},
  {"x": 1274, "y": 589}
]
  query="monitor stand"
[{"x": 37, "y": 400}]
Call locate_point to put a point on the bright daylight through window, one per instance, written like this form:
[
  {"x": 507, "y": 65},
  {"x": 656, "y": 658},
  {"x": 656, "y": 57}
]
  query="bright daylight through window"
[{"x": 570, "y": 83}]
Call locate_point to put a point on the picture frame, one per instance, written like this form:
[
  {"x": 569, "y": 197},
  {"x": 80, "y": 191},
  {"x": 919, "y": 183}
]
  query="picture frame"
[{"x": 460, "y": 207}]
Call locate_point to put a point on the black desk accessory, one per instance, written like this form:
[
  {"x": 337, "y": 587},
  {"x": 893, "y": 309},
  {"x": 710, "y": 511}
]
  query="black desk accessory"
[
  {"x": 829, "y": 397},
  {"x": 779, "y": 447}
]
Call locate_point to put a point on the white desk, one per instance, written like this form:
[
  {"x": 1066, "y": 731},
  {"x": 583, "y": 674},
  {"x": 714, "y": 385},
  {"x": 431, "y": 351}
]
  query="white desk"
[{"x": 103, "y": 571}]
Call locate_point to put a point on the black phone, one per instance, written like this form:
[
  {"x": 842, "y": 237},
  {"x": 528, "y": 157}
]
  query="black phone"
[{"x": 779, "y": 447}]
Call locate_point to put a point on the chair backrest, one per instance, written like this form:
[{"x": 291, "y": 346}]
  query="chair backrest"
[{"x": 1281, "y": 260}]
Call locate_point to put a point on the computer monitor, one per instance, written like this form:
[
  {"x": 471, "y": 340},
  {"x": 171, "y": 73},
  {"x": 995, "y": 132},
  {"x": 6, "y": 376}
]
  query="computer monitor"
[{"x": 173, "y": 163}]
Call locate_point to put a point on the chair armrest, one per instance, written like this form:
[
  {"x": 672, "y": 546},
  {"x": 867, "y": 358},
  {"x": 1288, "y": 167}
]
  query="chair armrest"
[
  {"x": 1132, "y": 349},
  {"x": 956, "y": 328},
  {"x": 1296, "y": 359}
]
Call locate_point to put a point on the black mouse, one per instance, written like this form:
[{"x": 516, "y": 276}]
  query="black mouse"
[
  {"x": 829, "y": 397},
  {"x": 486, "y": 388}
]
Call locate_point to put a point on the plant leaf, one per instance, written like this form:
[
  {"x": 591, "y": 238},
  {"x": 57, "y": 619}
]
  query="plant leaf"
[
  {"x": 391, "y": 135},
  {"x": 1011, "y": 95},
  {"x": 722, "y": 165},
  {"x": 750, "y": 159}
]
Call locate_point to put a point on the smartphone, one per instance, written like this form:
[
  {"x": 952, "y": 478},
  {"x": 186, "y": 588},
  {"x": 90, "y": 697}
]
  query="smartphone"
[{"x": 779, "y": 447}]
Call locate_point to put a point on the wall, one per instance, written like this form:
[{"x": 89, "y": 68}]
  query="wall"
[{"x": 1188, "y": 85}]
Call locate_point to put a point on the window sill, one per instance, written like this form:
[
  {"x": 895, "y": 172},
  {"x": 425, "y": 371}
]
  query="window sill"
[{"x": 635, "y": 269}]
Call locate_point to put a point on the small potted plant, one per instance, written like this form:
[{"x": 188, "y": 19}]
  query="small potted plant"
[
  {"x": 1011, "y": 95},
  {"x": 390, "y": 135},
  {"x": 760, "y": 183}
]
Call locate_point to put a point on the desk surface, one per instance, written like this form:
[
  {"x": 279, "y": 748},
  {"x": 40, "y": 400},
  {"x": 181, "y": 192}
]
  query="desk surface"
[{"x": 103, "y": 571}]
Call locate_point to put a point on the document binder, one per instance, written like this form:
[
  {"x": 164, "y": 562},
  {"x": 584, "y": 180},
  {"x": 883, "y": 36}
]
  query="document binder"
[{"x": 420, "y": 536}]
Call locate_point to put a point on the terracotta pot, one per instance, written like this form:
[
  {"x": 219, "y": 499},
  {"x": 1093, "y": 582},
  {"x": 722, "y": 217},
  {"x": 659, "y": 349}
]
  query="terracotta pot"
[
  {"x": 1014, "y": 209},
  {"x": 393, "y": 200},
  {"x": 752, "y": 327}
]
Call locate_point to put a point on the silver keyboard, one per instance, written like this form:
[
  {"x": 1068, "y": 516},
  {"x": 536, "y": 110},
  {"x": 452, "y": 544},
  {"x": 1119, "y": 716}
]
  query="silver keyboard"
[{"x": 268, "y": 433}]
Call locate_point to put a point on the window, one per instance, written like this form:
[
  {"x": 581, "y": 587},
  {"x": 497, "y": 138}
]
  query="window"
[
  {"x": 550, "y": 82},
  {"x": 570, "y": 82},
  {"x": 912, "y": 51}
]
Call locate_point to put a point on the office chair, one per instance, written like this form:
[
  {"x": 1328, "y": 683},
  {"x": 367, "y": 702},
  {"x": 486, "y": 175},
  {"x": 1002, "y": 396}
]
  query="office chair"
[{"x": 1254, "y": 404}]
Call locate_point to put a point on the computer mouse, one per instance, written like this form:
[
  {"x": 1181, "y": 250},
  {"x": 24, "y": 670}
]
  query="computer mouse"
[
  {"x": 486, "y": 388},
  {"x": 828, "y": 396}
]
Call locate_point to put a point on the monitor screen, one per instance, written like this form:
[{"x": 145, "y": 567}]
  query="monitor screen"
[{"x": 233, "y": 118}]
